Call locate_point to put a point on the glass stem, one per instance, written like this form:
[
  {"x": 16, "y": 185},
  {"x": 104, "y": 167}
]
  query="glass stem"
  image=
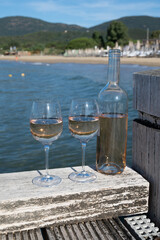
[
  {"x": 46, "y": 149},
  {"x": 83, "y": 156}
]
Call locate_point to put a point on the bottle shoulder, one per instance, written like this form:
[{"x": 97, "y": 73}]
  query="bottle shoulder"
[{"x": 112, "y": 91}]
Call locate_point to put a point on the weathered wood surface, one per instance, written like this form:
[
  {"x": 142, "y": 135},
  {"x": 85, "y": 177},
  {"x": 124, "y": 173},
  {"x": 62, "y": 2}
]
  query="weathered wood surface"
[
  {"x": 25, "y": 206},
  {"x": 150, "y": 120},
  {"x": 34, "y": 234},
  {"x": 146, "y": 135},
  {"x": 146, "y": 92},
  {"x": 105, "y": 229},
  {"x": 146, "y": 161}
]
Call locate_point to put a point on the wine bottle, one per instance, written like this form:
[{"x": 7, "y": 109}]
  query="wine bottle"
[{"x": 112, "y": 135}]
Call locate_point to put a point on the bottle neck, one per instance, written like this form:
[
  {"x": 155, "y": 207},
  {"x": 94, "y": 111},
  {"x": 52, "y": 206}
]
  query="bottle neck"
[{"x": 113, "y": 67}]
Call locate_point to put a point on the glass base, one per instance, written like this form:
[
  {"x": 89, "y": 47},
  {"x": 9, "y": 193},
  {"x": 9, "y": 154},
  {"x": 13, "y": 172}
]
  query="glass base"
[
  {"x": 46, "y": 180},
  {"x": 110, "y": 169},
  {"x": 82, "y": 176}
]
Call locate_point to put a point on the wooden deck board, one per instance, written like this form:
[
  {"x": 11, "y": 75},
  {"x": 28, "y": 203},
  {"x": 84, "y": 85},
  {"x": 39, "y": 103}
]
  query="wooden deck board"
[{"x": 106, "y": 229}]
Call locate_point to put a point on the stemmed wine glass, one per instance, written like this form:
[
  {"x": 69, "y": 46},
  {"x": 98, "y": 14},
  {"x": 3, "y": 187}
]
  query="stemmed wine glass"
[
  {"x": 83, "y": 124},
  {"x": 46, "y": 126}
]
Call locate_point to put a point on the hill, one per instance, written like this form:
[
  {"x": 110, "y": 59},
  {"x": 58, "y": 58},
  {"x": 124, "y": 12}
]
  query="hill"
[
  {"x": 139, "y": 22},
  {"x": 19, "y": 26},
  {"x": 137, "y": 25},
  {"x": 27, "y": 33},
  {"x": 16, "y": 26}
]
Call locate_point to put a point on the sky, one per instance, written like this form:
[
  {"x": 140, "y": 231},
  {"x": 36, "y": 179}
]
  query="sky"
[{"x": 86, "y": 13}]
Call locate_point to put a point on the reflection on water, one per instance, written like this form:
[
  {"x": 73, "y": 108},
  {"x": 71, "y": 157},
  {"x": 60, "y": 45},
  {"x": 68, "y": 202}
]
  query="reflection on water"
[{"x": 18, "y": 150}]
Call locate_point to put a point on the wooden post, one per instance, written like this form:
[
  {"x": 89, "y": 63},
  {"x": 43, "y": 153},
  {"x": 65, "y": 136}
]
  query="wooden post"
[{"x": 146, "y": 135}]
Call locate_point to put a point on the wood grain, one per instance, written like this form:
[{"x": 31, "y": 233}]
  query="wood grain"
[
  {"x": 146, "y": 92},
  {"x": 25, "y": 206}
]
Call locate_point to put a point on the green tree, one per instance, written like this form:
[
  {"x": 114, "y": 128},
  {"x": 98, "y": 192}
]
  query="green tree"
[
  {"x": 103, "y": 44},
  {"x": 37, "y": 48},
  {"x": 117, "y": 32},
  {"x": 5, "y": 46},
  {"x": 155, "y": 34},
  {"x": 98, "y": 38},
  {"x": 27, "y": 46},
  {"x": 81, "y": 43}
]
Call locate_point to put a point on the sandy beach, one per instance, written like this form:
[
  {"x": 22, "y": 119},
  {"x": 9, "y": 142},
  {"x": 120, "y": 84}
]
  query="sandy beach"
[{"x": 91, "y": 60}]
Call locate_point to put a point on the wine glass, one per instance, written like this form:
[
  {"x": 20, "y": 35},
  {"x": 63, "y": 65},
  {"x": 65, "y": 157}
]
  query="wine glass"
[
  {"x": 46, "y": 126},
  {"x": 83, "y": 124}
]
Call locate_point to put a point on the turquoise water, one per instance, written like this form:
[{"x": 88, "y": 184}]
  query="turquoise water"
[{"x": 18, "y": 150}]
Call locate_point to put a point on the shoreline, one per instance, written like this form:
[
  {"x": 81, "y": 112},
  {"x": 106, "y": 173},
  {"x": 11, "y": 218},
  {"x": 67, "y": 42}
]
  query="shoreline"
[{"x": 153, "y": 62}]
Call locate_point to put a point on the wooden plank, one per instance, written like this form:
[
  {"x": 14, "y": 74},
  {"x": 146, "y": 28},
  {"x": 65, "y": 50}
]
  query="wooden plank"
[
  {"x": 57, "y": 233},
  {"x": 113, "y": 232},
  {"x": 71, "y": 232},
  {"x": 25, "y": 235},
  {"x": 145, "y": 143},
  {"x": 146, "y": 91},
  {"x": 79, "y": 233},
  {"x": 10, "y": 236},
  {"x": 50, "y": 234},
  {"x": 149, "y": 172},
  {"x": 85, "y": 231},
  {"x": 122, "y": 231},
  {"x": 64, "y": 232},
  {"x": 97, "y": 229},
  {"x": 150, "y": 119},
  {"x": 134, "y": 146},
  {"x": 3, "y": 237},
  {"x": 147, "y": 163},
  {"x": 32, "y": 235},
  {"x": 18, "y": 236},
  {"x": 26, "y": 206},
  {"x": 156, "y": 177},
  {"x": 38, "y": 234},
  {"x": 91, "y": 231},
  {"x": 105, "y": 230}
]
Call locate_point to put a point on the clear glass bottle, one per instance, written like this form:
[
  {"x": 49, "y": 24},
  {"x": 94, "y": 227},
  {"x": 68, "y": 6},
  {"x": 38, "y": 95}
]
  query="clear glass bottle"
[{"x": 112, "y": 136}]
